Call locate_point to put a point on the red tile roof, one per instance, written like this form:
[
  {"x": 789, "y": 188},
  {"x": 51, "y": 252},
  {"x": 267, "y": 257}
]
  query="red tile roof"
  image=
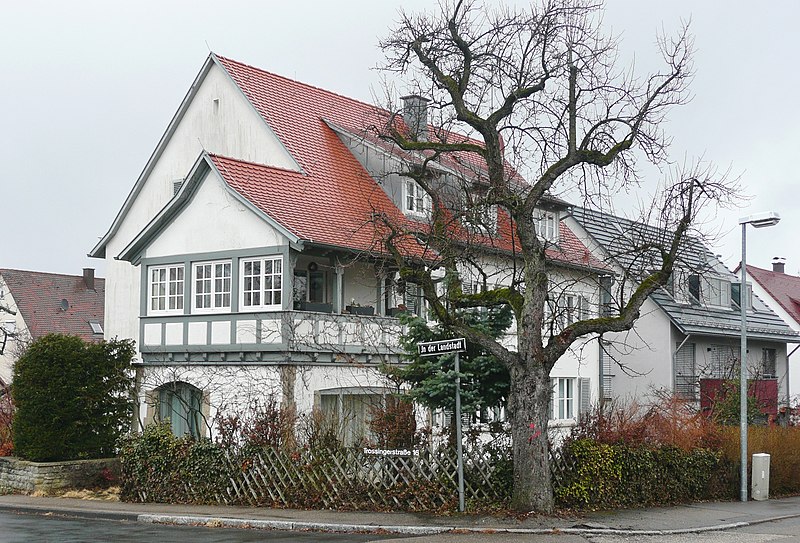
[
  {"x": 784, "y": 289},
  {"x": 39, "y": 296},
  {"x": 333, "y": 199}
]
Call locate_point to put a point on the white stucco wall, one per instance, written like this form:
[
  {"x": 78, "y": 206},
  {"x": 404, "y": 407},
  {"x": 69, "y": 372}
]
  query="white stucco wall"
[
  {"x": 214, "y": 220},
  {"x": 10, "y": 352},
  {"x": 794, "y": 357},
  {"x": 218, "y": 119}
]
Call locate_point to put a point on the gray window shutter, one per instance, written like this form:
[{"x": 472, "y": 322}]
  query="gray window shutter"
[
  {"x": 585, "y": 395},
  {"x": 685, "y": 372}
]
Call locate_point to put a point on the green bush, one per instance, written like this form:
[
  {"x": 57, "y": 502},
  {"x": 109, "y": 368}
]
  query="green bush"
[
  {"x": 157, "y": 466},
  {"x": 73, "y": 399},
  {"x": 596, "y": 475}
]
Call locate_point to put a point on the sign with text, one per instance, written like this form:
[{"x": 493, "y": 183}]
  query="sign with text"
[{"x": 436, "y": 348}]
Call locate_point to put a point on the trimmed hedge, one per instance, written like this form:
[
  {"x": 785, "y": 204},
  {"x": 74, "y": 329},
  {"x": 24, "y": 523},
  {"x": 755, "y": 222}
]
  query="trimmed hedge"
[{"x": 597, "y": 475}]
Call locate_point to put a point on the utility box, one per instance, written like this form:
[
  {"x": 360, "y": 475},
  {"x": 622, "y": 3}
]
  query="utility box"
[{"x": 759, "y": 487}]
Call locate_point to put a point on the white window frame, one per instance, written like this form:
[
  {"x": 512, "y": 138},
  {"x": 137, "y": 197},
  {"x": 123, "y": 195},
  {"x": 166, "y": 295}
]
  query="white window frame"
[
  {"x": 172, "y": 290},
  {"x": 264, "y": 278},
  {"x": 716, "y": 291},
  {"x": 565, "y": 398},
  {"x": 547, "y": 225},
  {"x": 216, "y": 305},
  {"x": 416, "y": 201}
]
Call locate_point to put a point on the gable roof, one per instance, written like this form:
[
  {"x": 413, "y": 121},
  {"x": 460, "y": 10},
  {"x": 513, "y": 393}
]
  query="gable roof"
[
  {"x": 618, "y": 236},
  {"x": 332, "y": 199},
  {"x": 39, "y": 296},
  {"x": 784, "y": 289}
]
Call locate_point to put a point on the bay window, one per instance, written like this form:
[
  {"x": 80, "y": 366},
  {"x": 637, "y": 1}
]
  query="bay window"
[
  {"x": 212, "y": 286},
  {"x": 262, "y": 283},
  {"x": 166, "y": 289}
]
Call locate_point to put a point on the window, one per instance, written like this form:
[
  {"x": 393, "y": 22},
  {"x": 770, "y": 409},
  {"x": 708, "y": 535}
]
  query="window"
[
  {"x": 212, "y": 286},
  {"x": 97, "y": 328},
  {"x": 310, "y": 285},
  {"x": 413, "y": 299},
  {"x": 569, "y": 308},
  {"x": 547, "y": 225},
  {"x": 349, "y": 412},
  {"x": 262, "y": 283},
  {"x": 768, "y": 358},
  {"x": 722, "y": 362},
  {"x": 181, "y": 405},
  {"x": 415, "y": 200},
  {"x": 694, "y": 288},
  {"x": 716, "y": 292},
  {"x": 736, "y": 295},
  {"x": 478, "y": 215},
  {"x": 166, "y": 289},
  {"x": 685, "y": 371},
  {"x": 606, "y": 295},
  {"x": 563, "y": 398},
  {"x": 10, "y": 326}
]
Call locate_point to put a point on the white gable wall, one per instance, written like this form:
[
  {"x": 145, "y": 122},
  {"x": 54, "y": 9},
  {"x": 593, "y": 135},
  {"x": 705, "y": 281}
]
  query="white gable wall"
[
  {"x": 220, "y": 120},
  {"x": 794, "y": 358},
  {"x": 214, "y": 220},
  {"x": 10, "y": 352}
]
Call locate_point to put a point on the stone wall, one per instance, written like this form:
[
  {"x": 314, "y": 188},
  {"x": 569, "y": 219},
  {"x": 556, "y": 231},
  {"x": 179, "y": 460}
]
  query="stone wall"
[{"x": 20, "y": 476}]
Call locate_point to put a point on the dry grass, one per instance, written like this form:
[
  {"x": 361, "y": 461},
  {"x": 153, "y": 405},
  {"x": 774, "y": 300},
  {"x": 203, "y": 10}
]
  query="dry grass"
[
  {"x": 110, "y": 494},
  {"x": 782, "y": 444}
]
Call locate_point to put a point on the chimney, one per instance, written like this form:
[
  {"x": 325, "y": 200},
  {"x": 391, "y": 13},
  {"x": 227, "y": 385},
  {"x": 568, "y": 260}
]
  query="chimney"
[
  {"x": 88, "y": 278},
  {"x": 778, "y": 264},
  {"x": 415, "y": 115}
]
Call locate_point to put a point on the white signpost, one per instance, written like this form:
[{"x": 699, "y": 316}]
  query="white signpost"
[{"x": 438, "y": 348}]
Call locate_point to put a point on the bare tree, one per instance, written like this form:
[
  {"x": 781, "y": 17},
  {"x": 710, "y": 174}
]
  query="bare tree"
[{"x": 540, "y": 94}]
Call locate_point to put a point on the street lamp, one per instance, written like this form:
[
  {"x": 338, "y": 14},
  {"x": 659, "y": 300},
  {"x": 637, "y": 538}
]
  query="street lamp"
[{"x": 759, "y": 220}]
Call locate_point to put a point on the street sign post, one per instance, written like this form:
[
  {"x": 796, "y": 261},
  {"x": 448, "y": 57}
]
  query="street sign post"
[{"x": 438, "y": 348}]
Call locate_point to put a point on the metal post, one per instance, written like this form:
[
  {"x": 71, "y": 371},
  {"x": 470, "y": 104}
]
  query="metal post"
[
  {"x": 743, "y": 371},
  {"x": 459, "y": 449}
]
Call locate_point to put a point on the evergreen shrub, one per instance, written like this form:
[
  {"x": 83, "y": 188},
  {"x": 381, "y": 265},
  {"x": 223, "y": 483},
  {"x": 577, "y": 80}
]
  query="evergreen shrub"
[{"x": 73, "y": 399}]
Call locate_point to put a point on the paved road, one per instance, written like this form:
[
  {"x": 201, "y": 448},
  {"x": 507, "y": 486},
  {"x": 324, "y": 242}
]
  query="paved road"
[
  {"x": 782, "y": 531},
  {"x": 18, "y": 528}
]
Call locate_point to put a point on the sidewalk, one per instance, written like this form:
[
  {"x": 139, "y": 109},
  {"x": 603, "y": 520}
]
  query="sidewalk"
[{"x": 680, "y": 519}]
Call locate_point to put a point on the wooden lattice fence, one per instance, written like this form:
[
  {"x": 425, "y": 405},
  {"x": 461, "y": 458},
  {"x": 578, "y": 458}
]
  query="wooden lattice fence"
[{"x": 347, "y": 479}]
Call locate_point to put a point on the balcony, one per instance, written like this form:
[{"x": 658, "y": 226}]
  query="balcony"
[{"x": 280, "y": 336}]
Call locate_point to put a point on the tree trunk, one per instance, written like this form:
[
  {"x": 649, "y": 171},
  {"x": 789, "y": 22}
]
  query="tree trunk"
[{"x": 529, "y": 403}]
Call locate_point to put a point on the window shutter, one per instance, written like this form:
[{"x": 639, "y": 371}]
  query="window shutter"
[{"x": 584, "y": 395}]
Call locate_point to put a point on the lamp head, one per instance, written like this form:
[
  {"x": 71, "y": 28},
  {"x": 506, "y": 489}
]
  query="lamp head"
[{"x": 761, "y": 220}]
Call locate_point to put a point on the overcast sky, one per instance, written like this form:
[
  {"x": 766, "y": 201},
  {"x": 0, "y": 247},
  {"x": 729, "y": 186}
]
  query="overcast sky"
[{"x": 88, "y": 88}]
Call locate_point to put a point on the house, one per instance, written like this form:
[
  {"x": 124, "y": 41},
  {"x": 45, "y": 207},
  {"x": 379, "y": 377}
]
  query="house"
[
  {"x": 687, "y": 339},
  {"x": 39, "y": 303},
  {"x": 248, "y": 260},
  {"x": 781, "y": 292}
]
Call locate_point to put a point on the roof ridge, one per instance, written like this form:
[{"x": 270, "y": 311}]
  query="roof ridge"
[{"x": 3, "y": 270}]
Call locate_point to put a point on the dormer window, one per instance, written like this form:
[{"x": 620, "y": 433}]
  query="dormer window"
[
  {"x": 415, "y": 200},
  {"x": 717, "y": 292},
  {"x": 546, "y": 225},
  {"x": 479, "y": 216}
]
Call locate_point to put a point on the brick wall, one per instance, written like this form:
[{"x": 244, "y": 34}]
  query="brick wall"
[{"x": 20, "y": 476}]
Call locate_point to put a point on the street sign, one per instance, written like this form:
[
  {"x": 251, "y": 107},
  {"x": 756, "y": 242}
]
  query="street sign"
[{"x": 436, "y": 348}]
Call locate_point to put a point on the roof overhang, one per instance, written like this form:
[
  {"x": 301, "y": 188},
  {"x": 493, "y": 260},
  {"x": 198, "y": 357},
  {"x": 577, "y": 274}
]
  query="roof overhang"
[{"x": 202, "y": 166}]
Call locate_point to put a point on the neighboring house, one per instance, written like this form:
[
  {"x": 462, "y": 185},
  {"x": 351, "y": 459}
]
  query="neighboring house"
[
  {"x": 41, "y": 303},
  {"x": 781, "y": 292},
  {"x": 248, "y": 261},
  {"x": 688, "y": 336}
]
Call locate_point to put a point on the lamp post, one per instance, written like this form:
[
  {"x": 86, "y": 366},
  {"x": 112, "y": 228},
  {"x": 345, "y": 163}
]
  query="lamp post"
[{"x": 759, "y": 220}]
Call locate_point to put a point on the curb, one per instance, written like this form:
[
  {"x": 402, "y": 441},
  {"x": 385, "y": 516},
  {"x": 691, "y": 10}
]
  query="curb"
[{"x": 288, "y": 525}]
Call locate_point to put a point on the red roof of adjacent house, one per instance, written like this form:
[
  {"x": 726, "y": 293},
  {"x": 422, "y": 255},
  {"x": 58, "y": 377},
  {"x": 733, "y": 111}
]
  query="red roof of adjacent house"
[
  {"x": 334, "y": 200},
  {"x": 39, "y": 296},
  {"x": 784, "y": 289}
]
